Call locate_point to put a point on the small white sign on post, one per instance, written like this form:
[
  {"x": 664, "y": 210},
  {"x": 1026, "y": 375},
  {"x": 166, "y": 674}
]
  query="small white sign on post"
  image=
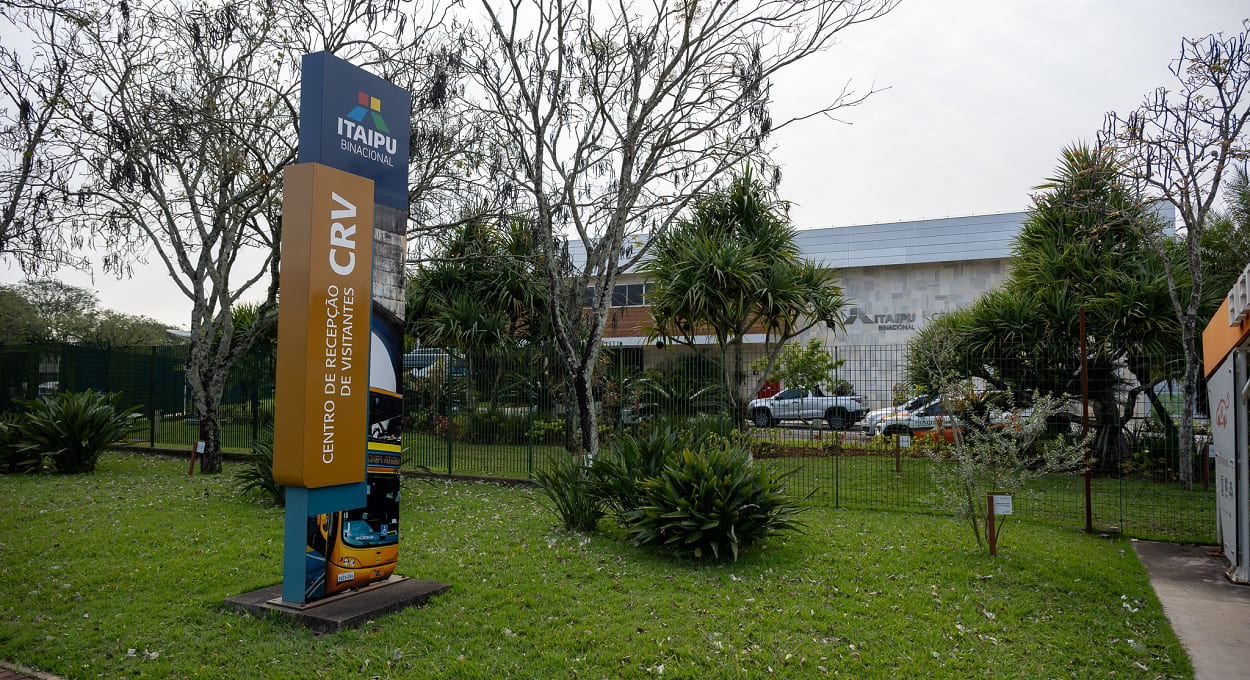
[
  {"x": 904, "y": 441},
  {"x": 1002, "y": 504}
]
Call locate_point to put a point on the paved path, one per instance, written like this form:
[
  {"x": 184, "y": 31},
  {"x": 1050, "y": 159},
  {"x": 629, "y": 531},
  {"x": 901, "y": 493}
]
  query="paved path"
[
  {"x": 1210, "y": 614},
  {"x": 12, "y": 671}
]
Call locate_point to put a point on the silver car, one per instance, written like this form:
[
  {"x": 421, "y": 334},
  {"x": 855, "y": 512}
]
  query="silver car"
[{"x": 869, "y": 425}]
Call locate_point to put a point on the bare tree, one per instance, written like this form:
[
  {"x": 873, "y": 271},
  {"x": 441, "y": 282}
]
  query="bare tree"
[
  {"x": 33, "y": 80},
  {"x": 1177, "y": 146},
  {"x": 183, "y": 120},
  {"x": 178, "y": 120},
  {"x": 445, "y": 138},
  {"x": 607, "y": 120}
]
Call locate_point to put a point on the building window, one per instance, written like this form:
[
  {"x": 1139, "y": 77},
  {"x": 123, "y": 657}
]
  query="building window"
[{"x": 623, "y": 295}]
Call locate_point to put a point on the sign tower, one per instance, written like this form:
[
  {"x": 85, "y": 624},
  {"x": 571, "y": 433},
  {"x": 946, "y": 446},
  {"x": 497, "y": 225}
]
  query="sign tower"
[{"x": 340, "y": 331}]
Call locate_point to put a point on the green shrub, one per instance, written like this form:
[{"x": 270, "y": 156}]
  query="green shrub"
[
  {"x": 12, "y": 457},
  {"x": 711, "y": 500},
  {"x": 699, "y": 424},
  {"x": 568, "y": 484},
  {"x": 619, "y": 469},
  {"x": 256, "y": 475},
  {"x": 420, "y": 420},
  {"x": 69, "y": 430},
  {"x": 547, "y": 432},
  {"x": 445, "y": 428},
  {"x": 495, "y": 427}
]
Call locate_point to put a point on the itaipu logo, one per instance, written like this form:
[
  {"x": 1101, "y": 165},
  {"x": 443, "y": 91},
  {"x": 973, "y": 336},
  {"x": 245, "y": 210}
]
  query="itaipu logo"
[{"x": 371, "y": 139}]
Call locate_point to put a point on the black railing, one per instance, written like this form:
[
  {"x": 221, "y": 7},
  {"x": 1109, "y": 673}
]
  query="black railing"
[{"x": 508, "y": 414}]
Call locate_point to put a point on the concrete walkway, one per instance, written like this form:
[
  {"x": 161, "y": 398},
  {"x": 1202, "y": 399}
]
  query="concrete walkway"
[
  {"x": 1210, "y": 614},
  {"x": 13, "y": 671}
]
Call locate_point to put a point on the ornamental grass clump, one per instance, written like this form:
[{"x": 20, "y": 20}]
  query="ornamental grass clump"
[
  {"x": 256, "y": 474},
  {"x": 68, "y": 431},
  {"x": 631, "y": 459},
  {"x": 711, "y": 500},
  {"x": 567, "y": 483},
  {"x": 13, "y": 458}
]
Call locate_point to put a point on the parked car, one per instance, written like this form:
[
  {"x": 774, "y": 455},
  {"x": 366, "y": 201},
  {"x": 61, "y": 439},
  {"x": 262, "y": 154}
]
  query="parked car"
[
  {"x": 869, "y": 424},
  {"x": 917, "y": 419},
  {"x": 421, "y": 362},
  {"x": 801, "y": 404},
  {"x": 933, "y": 415}
]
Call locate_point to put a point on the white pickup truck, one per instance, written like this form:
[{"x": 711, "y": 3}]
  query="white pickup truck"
[{"x": 800, "y": 404}]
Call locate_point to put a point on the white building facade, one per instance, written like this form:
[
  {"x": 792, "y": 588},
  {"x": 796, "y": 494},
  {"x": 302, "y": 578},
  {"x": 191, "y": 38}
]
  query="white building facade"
[
  {"x": 899, "y": 276},
  {"x": 896, "y": 276}
]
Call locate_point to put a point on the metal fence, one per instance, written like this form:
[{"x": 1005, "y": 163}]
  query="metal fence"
[
  {"x": 148, "y": 378},
  {"x": 507, "y": 415}
]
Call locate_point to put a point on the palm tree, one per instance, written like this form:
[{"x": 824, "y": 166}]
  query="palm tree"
[
  {"x": 732, "y": 267},
  {"x": 479, "y": 294},
  {"x": 1082, "y": 246}
]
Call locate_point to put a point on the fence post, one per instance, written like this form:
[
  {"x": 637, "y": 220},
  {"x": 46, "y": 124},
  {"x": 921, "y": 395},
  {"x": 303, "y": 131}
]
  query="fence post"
[
  {"x": 451, "y": 424},
  {"x": 898, "y": 455},
  {"x": 152, "y": 412},
  {"x": 529, "y": 385},
  {"x": 1089, "y": 505},
  {"x": 254, "y": 357},
  {"x": 837, "y": 476}
]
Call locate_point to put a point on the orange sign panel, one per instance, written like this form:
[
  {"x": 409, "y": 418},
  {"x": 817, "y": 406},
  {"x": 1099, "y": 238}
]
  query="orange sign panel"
[
  {"x": 322, "y": 398},
  {"x": 1220, "y": 338}
]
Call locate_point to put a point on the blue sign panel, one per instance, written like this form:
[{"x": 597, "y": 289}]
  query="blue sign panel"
[{"x": 355, "y": 121}]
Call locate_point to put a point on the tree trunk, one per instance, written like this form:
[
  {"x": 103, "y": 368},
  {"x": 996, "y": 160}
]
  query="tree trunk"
[
  {"x": 206, "y": 372},
  {"x": 206, "y": 384},
  {"x": 210, "y": 434},
  {"x": 1169, "y": 426},
  {"x": 1109, "y": 444},
  {"x": 1185, "y": 437},
  {"x": 469, "y": 404},
  {"x": 586, "y": 413},
  {"x": 501, "y": 363},
  {"x": 972, "y": 514},
  {"x": 726, "y": 384},
  {"x": 737, "y": 402},
  {"x": 568, "y": 401}
]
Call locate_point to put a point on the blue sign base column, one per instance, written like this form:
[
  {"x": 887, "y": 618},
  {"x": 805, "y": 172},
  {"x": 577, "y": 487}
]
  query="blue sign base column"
[{"x": 303, "y": 506}]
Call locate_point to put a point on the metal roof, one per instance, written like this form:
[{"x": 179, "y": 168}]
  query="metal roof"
[{"x": 949, "y": 239}]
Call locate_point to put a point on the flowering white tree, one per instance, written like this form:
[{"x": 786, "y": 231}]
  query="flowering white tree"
[
  {"x": 992, "y": 450},
  {"x": 1177, "y": 145}
]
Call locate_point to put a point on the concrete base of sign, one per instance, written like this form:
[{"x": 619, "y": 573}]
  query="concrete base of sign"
[{"x": 344, "y": 610}]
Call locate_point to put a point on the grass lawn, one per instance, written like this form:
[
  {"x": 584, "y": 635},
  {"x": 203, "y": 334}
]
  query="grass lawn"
[{"x": 123, "y": 573}]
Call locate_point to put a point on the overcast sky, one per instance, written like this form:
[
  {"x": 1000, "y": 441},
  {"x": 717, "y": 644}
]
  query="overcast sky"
[{"x": 983, "y": 95}]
